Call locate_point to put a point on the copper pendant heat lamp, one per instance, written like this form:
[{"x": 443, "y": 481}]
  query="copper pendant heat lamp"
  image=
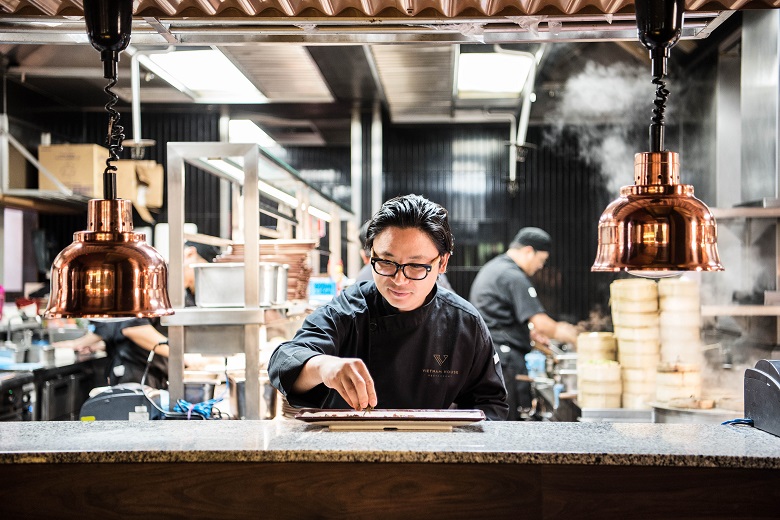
[
  {"x": 657, "y": 227},
  {"x": 109, "y": 271}
]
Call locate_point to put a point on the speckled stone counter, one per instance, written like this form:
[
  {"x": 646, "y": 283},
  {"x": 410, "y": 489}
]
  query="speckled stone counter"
[
  {"x": 696, "y": 445},
  {"x": 214, "y": 468}
]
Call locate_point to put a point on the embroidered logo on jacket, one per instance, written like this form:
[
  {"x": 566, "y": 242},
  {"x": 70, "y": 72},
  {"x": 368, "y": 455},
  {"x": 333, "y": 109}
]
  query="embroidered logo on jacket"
[
  {"x": 440, "y": 359},
  {"x": 440, "y": 372}
]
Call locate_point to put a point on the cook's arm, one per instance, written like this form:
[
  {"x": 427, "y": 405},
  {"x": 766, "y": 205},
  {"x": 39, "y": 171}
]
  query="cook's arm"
[{"x": 557, "y": 330}]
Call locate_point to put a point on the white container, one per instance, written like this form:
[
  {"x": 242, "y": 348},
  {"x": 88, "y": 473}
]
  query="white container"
[{"x": 222, "y": 284}]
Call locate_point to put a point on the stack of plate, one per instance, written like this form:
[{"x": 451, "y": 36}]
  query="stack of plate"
[
  {"x": 294, "y": 253},
  {"x": 634, "y": 305}
]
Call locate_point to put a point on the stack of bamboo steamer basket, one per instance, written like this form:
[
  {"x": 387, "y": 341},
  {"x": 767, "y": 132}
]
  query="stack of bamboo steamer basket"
[
  {"x": 597, "y": 346},
  {"x": 680, "y": 321},
  {"x": 679, "y": 374},
  {"x": 635, "y": 319},
  {"x": 598, "y": 382}
]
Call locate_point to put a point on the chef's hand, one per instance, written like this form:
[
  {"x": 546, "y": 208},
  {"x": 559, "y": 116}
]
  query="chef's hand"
[{"x": 348, "y": 376}]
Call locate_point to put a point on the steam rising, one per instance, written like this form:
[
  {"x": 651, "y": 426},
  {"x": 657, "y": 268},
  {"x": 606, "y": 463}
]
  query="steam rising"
[{"x": 609, "y": 109}]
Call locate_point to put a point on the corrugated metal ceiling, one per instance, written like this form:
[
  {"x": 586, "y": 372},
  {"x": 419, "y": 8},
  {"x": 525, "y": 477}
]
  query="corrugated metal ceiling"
[
  {"x": 338, "y": 54},
  {"x": 362, "y": 8}
]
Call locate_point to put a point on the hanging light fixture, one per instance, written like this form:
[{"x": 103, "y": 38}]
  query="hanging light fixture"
[
  {"x": 109, "y": 271},
  {"x": 657, "y": 227}
]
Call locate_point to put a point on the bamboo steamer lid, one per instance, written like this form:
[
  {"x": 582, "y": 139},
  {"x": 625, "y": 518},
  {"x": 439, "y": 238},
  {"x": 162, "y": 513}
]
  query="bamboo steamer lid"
[
  {"x": 677, "y": 304},
  {"x": 650, "y": 305},
  {"x": 637, "y": 334},
  {"x": 639, "y": 361},
  {"x": 586, "y": 400},
  {"x": 640, "y": 375},
  {"x": 595, "y": 387},
  {"x": 639, "y": 347},
  {"x": 667, "y": 393},
  {"x": 639, "y": 387},
  {"x": 595, "y": 346},
  {"x": 680, "y": 319},
  {"x": 602, "y": 371},
  {"x": 680, "y": 334},
  {"x": 633, "y": 290},
  {"x": 635, "y": 319},
  {"x": 678, "y": 287},
  {"x": 637, "y": 401},
  {"x": 680, "y": 379}
]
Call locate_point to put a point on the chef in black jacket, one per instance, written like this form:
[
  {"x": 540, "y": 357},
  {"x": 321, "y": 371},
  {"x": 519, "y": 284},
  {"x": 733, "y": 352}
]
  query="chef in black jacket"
[
  {"x": 507, "y": 300},
  {"x": 398, "y": 341},
  {"x": 128, "y": 342}
]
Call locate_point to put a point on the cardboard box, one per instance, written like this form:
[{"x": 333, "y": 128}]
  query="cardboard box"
[
  {"x": 151, "y": 181},
  {"x": 17, "y": 169},
  {"x": 80, "y": 167},
  {"x": 126, "y": 180}
]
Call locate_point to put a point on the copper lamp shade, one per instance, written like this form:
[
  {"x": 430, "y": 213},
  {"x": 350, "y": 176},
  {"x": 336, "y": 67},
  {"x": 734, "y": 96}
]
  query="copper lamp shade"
[
  {"x": 109, "y": 271},
  {"x": 657, "y": 227}
]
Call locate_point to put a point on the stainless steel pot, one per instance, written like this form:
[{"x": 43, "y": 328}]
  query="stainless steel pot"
[{"x": 222, "y": 284}]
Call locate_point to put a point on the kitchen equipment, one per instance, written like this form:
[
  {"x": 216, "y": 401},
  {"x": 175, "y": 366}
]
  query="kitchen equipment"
[
  {"x": 40, "y": 352},
  {"x": 762, "y": 395},
  {"x": 121, "y": 402},
  {"x": 268, "y": 396},
  {"x": 222, "y": 284},
  {"x": 17, "y": 396},
  {"x": 199, "y": 391}
]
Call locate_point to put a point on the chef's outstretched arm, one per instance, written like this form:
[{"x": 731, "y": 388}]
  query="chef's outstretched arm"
[
  {"x": 348, "y": 376},
  {"x": 557, "y": 330}
]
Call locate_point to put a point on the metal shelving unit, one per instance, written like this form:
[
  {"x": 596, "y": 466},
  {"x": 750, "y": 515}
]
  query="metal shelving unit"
[
  {"x": 763, "y": 211},
  {"x": 232, "y": 330}
]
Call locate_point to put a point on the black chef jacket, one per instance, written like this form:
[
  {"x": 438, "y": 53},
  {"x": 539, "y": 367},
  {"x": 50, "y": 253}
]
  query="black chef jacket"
[
  {"x": 506, "y": 299},
  {"x": 429, "y": 358},
  {"x": 123, "y": 352}
]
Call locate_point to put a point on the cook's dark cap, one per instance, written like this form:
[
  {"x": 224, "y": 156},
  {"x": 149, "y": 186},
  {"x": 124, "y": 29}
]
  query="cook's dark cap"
[
  {"x": 207, "y": 252},
  {"x": 535, "y": 237}
]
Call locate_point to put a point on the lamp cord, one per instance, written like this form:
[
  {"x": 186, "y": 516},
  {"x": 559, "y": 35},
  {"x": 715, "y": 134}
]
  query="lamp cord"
[
  {"x": 114, "y": 140},
  {"x": 657, "y": 126}
]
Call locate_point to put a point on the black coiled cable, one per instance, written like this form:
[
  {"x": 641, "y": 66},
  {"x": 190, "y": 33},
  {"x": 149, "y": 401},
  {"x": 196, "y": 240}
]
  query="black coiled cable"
[
  {"x": 114, "y": 140},
  {"x": 656, "y": 128}
]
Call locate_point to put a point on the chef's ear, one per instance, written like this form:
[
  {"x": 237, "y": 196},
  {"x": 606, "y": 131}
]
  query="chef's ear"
[{"x": 445, "y": 258}]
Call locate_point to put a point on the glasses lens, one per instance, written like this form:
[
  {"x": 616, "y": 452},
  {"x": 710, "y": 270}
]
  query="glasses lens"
[
  {"x": 415, "y": 272},
  {"x": 385, "y": 268}
]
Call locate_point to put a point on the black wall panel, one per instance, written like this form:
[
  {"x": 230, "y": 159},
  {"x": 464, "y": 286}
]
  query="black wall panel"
[{"x": 465, "y": 168}]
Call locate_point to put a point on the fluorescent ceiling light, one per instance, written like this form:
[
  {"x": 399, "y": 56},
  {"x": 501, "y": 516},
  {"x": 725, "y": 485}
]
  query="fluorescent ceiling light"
[
  {"x": 492, "y": 75},
  {"x": 208, "y": 75},
  {"x": 238, "y": 174},
  {"x": 246, "y": 131},
  {"x": 318, "y": 213}
]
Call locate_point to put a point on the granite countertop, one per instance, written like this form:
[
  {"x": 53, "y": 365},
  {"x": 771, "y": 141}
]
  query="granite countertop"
[{"x": 287, "y": 440}]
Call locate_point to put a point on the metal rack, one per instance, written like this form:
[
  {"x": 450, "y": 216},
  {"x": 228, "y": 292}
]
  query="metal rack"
[{"x": 232, "y": 330}]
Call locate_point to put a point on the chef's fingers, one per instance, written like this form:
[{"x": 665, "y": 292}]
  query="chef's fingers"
[
  {"x": 348, "y": 391},
  {"x": 370, "y": 390}
]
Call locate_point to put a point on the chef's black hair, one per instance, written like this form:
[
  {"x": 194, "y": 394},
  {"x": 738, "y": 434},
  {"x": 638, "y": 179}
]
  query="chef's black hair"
[
  {"x": 362, "y": 234},
  {"x": 413, "y": 211},
  {"x": 207, "y": 252}
]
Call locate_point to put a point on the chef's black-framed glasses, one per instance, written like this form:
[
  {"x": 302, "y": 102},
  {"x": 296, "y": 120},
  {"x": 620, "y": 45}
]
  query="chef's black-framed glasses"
[{"x": 417, "y": 272}]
